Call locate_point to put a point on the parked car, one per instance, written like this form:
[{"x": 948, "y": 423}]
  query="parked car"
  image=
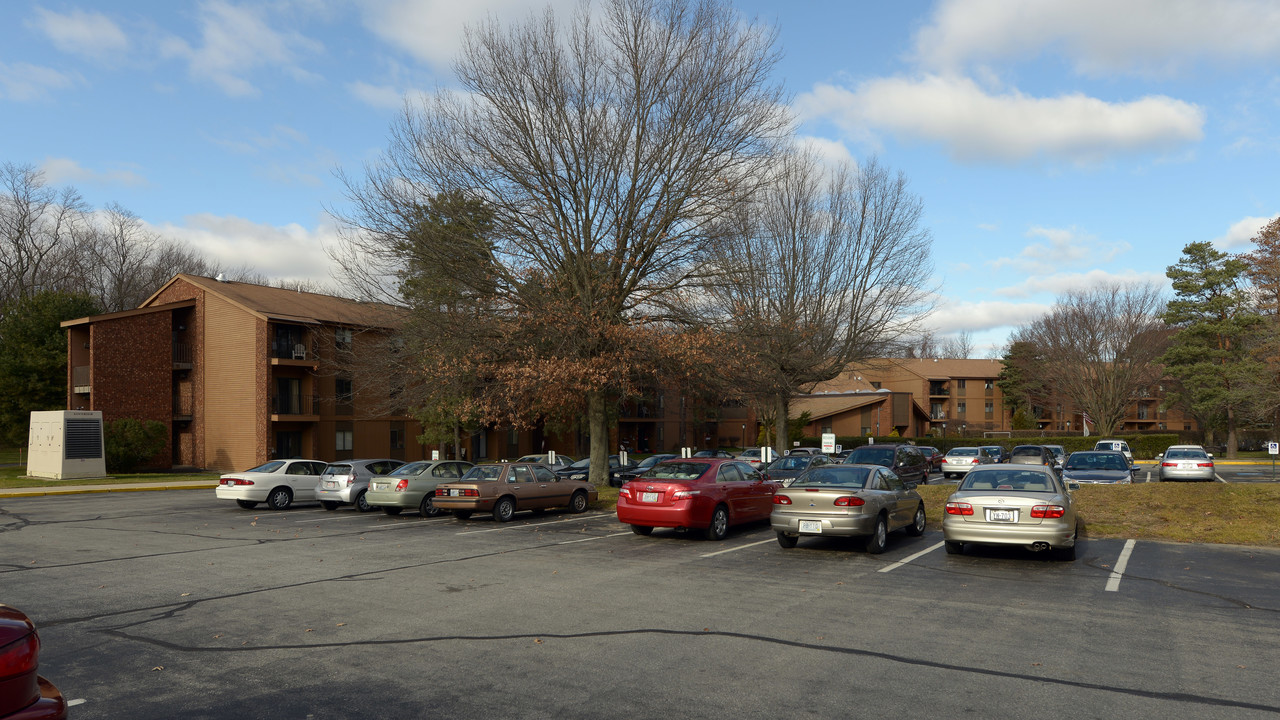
[
  {"x": 709, "y": 494},
  {"x": 1059, "y": 453},
  {"x": 412, "y": 486},
  {"x": 754, "y": 457},
  {"x": 346, "y": 482},
  {"x": 713, "y": 454},
  {"x": 906, "y": 461},
  {"x": 507, "y": 488},
  {"x": 1117, "y": 445},
  {"x": 1098, "y": 467},
  {"x": 847, "y": 501},
  {"x": 277, "y": 483},
  {"x": 805, "y": 451},
  {"x": 625, "y": 475},
  {"x": 961, "y": 460},
  {"x": 1032, "y": 455},
  {"x": 934, "y": 456},
  {"x": 997, "y": 452},
  {"x": 1022, "y": 505},
  {"x": 581, "y": 469},
  {"x": 24, "y": 694},
  {"x": 560, "y": 462},
  {"x": 1186, "y": 462},
  {"x": 785, "y": 469}
]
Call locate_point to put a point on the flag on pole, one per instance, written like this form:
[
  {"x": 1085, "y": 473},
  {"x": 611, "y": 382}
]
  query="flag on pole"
[{"x": 1085, "y": 424}]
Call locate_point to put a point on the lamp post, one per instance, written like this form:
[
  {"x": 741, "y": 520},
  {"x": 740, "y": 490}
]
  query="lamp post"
[
  {"x": 744, "y": 436},
  {"x": 944, "y": 430},
  {"x": 964, "y": 427}
]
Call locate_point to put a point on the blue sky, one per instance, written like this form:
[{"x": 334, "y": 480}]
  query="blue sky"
[{"x": 1055, "y": 143}]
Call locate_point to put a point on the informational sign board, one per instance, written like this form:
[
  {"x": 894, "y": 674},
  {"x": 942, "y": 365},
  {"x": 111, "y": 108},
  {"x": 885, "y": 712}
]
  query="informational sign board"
[
  {"x": 1273, "y": 448},
  {"x": 828, "y": 443},
  {"x": 435, "y": 454}
]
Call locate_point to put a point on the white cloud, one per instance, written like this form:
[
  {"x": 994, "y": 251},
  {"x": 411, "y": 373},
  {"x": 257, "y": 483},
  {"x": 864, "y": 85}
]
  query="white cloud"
[
  {"x": 831, "y": 153},
  {"x": 290, "y": 252},
  {"x": 951, "y": 316},
  {"x": 236, "y": 40},
  {"x": 432, "y": 30},
  {"x": 975, "y": 125},
  {"x": 1146, "y": 37},
  {"x": 24, "y": 82},
  {"x": 1242, "y": 232},
  {"x": 1062, "y": 248},
  {"x": 379, "y": 96},
  {"x": 78, "y": 32},
  {"x": 1060, "y": 283},
  {"x": 58, "y": 171}
]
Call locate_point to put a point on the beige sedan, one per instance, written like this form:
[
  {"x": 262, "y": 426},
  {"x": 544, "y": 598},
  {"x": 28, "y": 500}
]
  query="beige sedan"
[
  {"x": 847, "y": 500},
  {"x": 1024, "y": 505},
  {"x": 505, "y": 488}
]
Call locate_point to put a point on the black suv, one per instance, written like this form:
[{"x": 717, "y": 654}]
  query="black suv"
[{"x": 906, "y": 461}]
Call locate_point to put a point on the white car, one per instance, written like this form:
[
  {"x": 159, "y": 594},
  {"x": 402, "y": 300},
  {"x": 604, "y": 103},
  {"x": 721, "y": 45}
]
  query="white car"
[
  {"x": 1119, "y": 446},
  {"x": 277, "y": 483}
]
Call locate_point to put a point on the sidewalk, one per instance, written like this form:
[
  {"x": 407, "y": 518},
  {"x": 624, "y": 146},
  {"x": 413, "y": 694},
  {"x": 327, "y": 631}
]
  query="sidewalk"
[{"x": 118, "y": 487}]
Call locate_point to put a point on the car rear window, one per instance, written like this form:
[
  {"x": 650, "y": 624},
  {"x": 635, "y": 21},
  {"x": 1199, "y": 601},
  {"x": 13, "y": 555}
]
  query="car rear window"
[
  {"x": 1009, "y": 480},
  {"x": 834, "y": 475},
  {"x": 1025, "y": 451},
  {"x": 338, "y": 470},
  {"x": 676, "y": 471},
  {"x": 962, "y": 452}
]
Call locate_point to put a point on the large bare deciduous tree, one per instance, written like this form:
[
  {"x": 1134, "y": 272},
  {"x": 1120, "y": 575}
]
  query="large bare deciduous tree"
[
  {"x": 1099, "y": 347},
  {"x": 821, "y": 269},
  {"x": 40, "y": 229},
  {"x": 606, "y": 146}
]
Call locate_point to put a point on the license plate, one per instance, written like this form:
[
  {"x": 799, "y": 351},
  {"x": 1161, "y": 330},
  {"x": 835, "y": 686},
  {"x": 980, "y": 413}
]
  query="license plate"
[
  {"x": 330, "y": 484},
  {"x": 811, "y": 526},
  {"x": 1002, "y": 516},
  {"x": 1185, "y": 466},
  {"x": 454, "y": 492},
  {"x": 381, "y": 486},
  {"x": 650, "y": 497}
]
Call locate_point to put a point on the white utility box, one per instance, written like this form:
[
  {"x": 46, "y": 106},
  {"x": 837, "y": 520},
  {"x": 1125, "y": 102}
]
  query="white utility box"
[{"x": 66, "y": 444}]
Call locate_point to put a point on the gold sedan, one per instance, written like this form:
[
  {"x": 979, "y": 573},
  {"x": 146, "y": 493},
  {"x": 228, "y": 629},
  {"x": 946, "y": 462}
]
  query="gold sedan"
[
  {"x": 1026, "y": 505},
  {"x": 847, "y": 500}
]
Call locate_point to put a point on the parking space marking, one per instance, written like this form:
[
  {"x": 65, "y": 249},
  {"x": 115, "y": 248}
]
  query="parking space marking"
[
  {"x": 1113, "y": 583},
  {"x": 740, "y": 547},
  {"x": 909, "y": 558},
  {"x": 598, "y": 537},
  {"x": 553, "y": 522},
  {"x": 73, "y": 703},
  {"x": 340, "y": 517}
]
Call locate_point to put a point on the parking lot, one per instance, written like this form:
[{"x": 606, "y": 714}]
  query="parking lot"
[{"x": 173, "y": 604}]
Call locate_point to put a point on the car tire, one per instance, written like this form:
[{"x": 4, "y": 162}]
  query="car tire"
[
  {"x": 427, "y": 508},
  {"x": 916, "y": 528},
  {"x": 788, "y": 541},
  {"x": 718, "y": 528},
  {"x": 879, "y": 537},
  {"x": 504, "y": 509},
  {"x": 329, "y": 504},
  {"x": 578, "y": 503},
  {"x": 952, "y": 547},
  {"x": 280, "y": 498},
  {"x": 247, "y": 504},
  {"x": 362, "y": 504},
  {"x": 392, "y": 510},
  {"x": 642, "y": 529},
  {"x": 462, "y": 514}
]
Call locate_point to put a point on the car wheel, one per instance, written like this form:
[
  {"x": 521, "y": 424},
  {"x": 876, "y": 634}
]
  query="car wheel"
[
  {"x": 462, "y": 514},
  {"x": 916, "y": 527},
  {"x": 719, "y": 526},
  {"x": 361, "y": 504},
  {"x": 578, "y": 503},
  {"x": 952, "y": 547},
  {"x": 428, "y": 507},
  {"x": 247, "y": 504},
  {"x": 787, "y": 541},
  {"x": 329, "y": 504},
  {"x": 504, "y": 510},
  {"x": 392, "y": 510},
  {"x": 879, "y": 537},
  {"x": 642, "y": 529},
  {"x": 280, "y": 498}
]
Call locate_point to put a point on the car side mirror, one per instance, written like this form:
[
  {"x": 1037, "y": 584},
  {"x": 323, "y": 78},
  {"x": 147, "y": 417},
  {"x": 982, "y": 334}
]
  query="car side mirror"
[
  {"x": 911, "y": 485},
  {"x": 1160, "y": 456},
  {"x": 1073, "y": 486}
]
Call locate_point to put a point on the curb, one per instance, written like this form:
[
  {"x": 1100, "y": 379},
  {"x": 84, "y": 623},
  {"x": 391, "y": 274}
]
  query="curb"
[{"x": 21, "y": 492}]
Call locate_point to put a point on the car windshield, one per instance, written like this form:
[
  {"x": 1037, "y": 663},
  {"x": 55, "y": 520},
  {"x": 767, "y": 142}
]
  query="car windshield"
[
  {"x": 834, "y": 475},
  {"x": 582, "y": 464},
  {"x": 652, "y": 460},
  {"x": 1005, "y": 479},
  {"x": 871, "y": 456},
  {"x": 791, "y": 462},
  {"x": 483, "y": 473},
  {"x": 1187, "y": 454},
  {"x": 272, "y": 466},
  {"x": 1096, "y": 461},
  {"x": 962, "y": 452},
  {"x": 676, "y": 471}
]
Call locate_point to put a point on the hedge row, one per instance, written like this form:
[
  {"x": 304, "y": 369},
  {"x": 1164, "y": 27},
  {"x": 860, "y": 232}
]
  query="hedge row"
[{"x": 1144, "y": 446}]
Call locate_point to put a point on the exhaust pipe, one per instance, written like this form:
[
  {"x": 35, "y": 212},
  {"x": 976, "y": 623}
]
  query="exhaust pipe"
[{"x": 1040, "y": 546}]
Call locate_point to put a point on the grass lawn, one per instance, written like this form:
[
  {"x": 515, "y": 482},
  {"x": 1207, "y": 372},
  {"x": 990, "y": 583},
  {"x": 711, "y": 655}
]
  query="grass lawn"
[{"x": 12, "y": 477}]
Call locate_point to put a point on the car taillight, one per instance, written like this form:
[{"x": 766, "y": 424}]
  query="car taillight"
[
  {"x": 781, "y": 500},
  {"x": 959, "y": 508},
  {"x": 1048, "y": 511},
  {"x": 402, "y": 485},
  {"x": 469, "y": 492},
  {"x": 683, "y": 494},
  {"x": 849, "y": 501},
  {"x": 624, "y": 493},
  {"x": 1168, "y": 464},
  {"x": 974, "y": 461},
  {"x": 20, "y": 657},
  {"x": 351, "y": 480},
  {"x": 1204, "y": 464},
  {"x": 236, "y": 481}
]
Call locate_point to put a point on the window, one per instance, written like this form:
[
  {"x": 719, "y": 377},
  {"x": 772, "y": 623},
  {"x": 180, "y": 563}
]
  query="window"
[
  {"x": 875, "y": 384},
  {"x": 960, "y": 408},
  {"x": 397, "y": 438},
  {"x": 989, "y": 408},
  {"x": 342, "y": 440},
  {"x": 826, "y": 428},
  {"x": 989, "y": 385},
  {"x": 342, "y": 338}
]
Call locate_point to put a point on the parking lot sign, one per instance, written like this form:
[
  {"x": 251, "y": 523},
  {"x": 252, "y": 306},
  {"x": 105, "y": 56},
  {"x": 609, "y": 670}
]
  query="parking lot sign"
[
  {"x": 1273, "y": 448},
  {"x": 828, "y": 443}
]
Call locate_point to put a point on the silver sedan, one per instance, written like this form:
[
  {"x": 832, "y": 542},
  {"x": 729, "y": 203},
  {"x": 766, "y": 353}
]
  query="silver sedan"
[
  {"x": 844, "y": 501},
  {"x": 1023, "y": 505},
  {"x": 1186, "y": 463}
]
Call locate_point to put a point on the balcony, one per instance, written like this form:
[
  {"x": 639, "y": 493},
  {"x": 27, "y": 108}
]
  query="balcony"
[
  {"x": 80, "y": 382},
  {"x": 939, "y": 391},
  {"x": 183, "y": 408},
  {"x": 294, "y": 408},
  {"x": 937, "y": 415},
  {"x": 183, "y": 357}
]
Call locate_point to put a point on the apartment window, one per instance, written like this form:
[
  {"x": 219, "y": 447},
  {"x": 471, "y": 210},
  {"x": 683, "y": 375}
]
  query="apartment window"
[
  {"x": 342, "y": 440},
  {"x": 342, "y": 338},
  {"x": 960, "y": 384},
  {"x": 988, "y": 385},
  {"x": 826, "y": 428},
  {"x": 960, "y": 409},
  {"x": 397, "y": 438},
  {"x": 989, "y": 409}
]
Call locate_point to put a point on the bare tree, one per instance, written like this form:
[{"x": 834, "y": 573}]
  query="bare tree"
[
  {"x": 606, "y": 148},
  {"x": 958, "y": 346},
  {"x": 821, "y": 270},
  {"x": 1099, "y": 347},
  {"x": 40, "y": 227}
]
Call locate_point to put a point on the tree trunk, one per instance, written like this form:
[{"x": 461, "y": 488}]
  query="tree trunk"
[
  {"x": 598, "y": 428},
  {"x": 457, "y": 440},
  {"x": 1231, "y": 433},
  {"x": 782, "y": 438}
]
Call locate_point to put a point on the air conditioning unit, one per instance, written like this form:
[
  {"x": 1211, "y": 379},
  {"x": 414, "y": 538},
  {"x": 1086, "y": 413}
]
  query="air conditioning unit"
[{"x": 66, "y": 444}]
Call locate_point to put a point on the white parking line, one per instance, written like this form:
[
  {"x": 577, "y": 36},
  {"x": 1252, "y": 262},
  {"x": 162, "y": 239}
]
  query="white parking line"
[
  {"x": 909, "y": 558},
  {"x": 1113, "y": 583},
  {"x": 340, "y": 517},
  {"x": 77, "y": 701},
  {"x": 598, "y": 537},
  {"x": 553, "y": 522},
  {"x": 740, "y": 547}
]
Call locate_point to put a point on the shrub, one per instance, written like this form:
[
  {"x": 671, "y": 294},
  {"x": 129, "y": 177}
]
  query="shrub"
[{"x": 129, "y": 443}]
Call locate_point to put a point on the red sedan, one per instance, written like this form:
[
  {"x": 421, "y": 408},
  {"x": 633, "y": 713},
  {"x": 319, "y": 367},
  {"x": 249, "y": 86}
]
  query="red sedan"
[
  {"x": 23, "y": 694},
  {"x": 702, "y": 493}
]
